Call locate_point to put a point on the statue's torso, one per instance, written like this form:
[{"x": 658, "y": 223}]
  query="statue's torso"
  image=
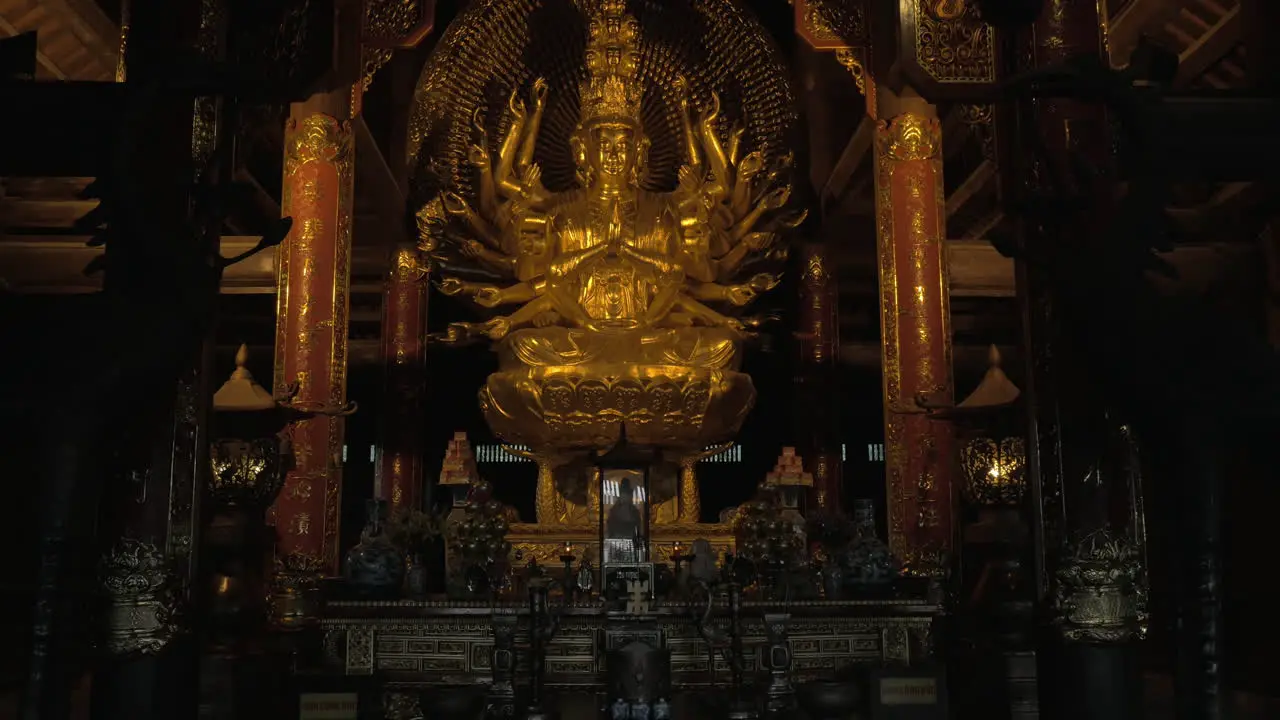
[{"x": 613, "y": 288}]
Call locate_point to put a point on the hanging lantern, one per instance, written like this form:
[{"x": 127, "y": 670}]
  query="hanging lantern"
[
  {"x": 993, "y": 453},
  {"x": 250, "y": 454},
  {"x": 994, "y": 471},
  {"x": 249, "y": 450}
]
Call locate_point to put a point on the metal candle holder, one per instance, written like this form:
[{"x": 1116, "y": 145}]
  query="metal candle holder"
[
  {"x": 567, "y": 558},
  {"x": 729, "y": 646},
  {"x": 543, "y": 626}
]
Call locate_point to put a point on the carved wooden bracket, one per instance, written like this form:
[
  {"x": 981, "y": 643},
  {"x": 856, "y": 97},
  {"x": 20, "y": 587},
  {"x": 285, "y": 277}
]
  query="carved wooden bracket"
[
  {"x": 839, "y": 27},
  {"x": 387, "y": 26},
  {"x": 945, "y": 51}
]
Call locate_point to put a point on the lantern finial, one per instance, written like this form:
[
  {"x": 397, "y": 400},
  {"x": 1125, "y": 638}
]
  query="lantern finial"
[
  {"x": 242, "y": 357},
  {"x": 241, "y": 392},
  {"x": 995, "y": 390}
]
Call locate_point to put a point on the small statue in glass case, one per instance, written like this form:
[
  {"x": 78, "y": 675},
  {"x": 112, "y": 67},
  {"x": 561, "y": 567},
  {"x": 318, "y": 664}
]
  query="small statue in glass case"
[{"x": 586, "y": 578}]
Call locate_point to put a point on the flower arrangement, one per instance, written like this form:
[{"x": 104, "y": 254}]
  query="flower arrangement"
[
  {"x": 480, "y": 538},
  {"x": 763, "y": 535},
  {"x": 414, "y": 530},
  {"x": 833, "y": 531}
]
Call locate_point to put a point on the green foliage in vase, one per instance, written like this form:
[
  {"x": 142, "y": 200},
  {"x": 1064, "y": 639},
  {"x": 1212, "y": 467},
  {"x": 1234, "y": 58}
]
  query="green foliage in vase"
[
  {"x": 832, "y": 530},
  {"x": 413, "y": 530}
]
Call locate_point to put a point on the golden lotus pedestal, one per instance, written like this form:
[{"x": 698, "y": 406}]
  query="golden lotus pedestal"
[{"x": 568, "y": 395}]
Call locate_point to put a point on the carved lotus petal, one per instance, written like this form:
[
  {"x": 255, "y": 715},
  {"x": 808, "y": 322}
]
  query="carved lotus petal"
[
  {"x": 547, "y": 410},
  {"x": 558, "y": 396},
  {"x": 593, "y": 396}
]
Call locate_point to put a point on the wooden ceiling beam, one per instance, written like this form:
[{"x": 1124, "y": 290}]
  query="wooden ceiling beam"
[
  {"x": 955, "y": 132},
  {"x": 971, "y": 186},
  {"x": 1219, "y": 211},
  {"x": 855, "y": 153},
  {"x": 40, "y": 264},
  {"x": 66, "y": 30},
  {"x": 95, "y": 31},
  {"x": 1215, "y": 44},
  {"x": 1137, "y": 18},
  {"x": 380, "y": 221},
  {"x": 20, "y": 212},
  {"x": 46, "y": 188},
  {"x": 263, "y": 203},
  {"x": 42, "y": 60},
  {"x": 43, "y": 264},
  {"x": 975, "y": 355},
  {"x": 984, "y": 228},
  {"x": 976, "y": 269}
]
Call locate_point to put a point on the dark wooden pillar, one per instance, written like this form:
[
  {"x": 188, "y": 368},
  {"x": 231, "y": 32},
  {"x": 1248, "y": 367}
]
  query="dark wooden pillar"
[
  {"x": 1076, "y": 450},
  {"x": 400, "y": 478},
  {"x": 1263, "y": 73},
  {"x": 149, "y": 669},
  {"x": 817, "y": 396}
]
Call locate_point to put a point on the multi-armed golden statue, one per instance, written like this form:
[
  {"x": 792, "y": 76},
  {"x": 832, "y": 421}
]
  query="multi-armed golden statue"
[{"x": 628, "y": 303}]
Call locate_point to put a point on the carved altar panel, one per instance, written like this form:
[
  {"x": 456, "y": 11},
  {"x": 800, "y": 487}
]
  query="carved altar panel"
[{"x": 450, "y": 643}]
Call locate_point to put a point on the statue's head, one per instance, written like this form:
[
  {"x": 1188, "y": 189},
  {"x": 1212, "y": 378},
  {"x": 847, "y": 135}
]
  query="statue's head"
[
  {"x": 609, "y": 144},
  {"x": 610, "y": 154}
]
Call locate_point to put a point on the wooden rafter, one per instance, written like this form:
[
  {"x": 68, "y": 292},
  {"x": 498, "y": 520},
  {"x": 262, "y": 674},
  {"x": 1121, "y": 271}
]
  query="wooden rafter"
[
  {"x": 972, "y": 186},
  {"x": 1137, "y": 18},
  {"x": 855, "y": 153},
  {"x": 42, "y": 60},
  {"x": 17, "y": 212},
  {"x": 55, "y": 264},
  {"x": 868, "y": 354},
  {"x": 75, "y": 39},
  {"x": 380, "y": 221},
  {"x": 984, "y": 228},
  {"x": 977, "y": 270},
  {"x": 1214, "y": 44}
]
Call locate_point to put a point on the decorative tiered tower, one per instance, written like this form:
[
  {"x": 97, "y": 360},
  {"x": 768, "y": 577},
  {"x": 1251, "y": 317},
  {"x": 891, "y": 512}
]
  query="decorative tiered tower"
[
  {"x": 793, "y": 483},
  {"x": 458, "y": 473}
]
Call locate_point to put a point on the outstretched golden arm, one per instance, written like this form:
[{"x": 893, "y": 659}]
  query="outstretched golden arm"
[
  {"x": 717, "y": 161},
  {"x": 456, "y": 206},
  {"x": 529, "y": 142},
  {"x": 739, "y": 294},
  {"x": 502, "y": 175},
  {"x": 692, "y": 150}
]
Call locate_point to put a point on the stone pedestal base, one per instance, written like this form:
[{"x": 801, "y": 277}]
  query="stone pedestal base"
[{"x": 1100, "y": 682}]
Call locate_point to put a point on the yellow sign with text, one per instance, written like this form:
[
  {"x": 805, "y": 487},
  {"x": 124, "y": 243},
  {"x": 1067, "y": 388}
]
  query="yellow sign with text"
[
  {"x": 908, "y": 691},
  {"x": 328, "y": 706}
]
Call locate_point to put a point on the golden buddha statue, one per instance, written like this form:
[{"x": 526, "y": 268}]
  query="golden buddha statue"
[{"x": 626, "y": 305}]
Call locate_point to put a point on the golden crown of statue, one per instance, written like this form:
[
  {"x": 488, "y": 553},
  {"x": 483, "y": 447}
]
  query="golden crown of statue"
[{"x": 611, "y": 90}]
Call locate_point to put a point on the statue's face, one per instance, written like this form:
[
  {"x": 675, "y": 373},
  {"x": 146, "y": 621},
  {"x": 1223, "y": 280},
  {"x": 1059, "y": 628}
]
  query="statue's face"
[{"x": 611, "y": 151}]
